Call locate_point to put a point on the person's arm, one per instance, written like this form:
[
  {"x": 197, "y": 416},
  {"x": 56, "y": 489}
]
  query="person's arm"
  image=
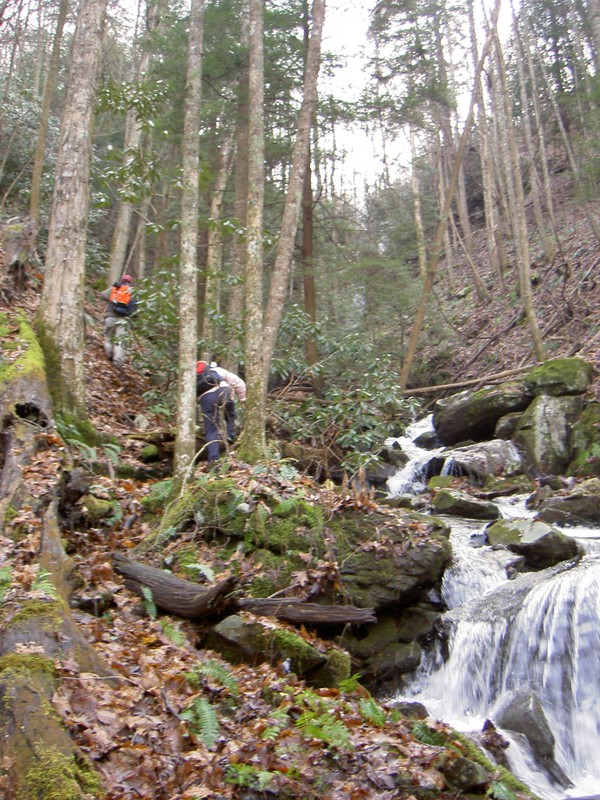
[{"x": 236, "y": 383}]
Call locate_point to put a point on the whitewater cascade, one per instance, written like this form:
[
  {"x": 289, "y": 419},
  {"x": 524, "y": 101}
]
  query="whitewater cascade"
[{"x": 538, "y": 634}]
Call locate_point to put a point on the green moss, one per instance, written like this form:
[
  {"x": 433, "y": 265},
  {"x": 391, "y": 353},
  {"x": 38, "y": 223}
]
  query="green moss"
[
  {"x": 57, "y": 776},
  {"x": 53, "y": 609},
  {"x": 287, "y": 644},
  {"x": 9, "y": 514},
  {"x": 30, "y": 362},
  {"x": 24, "y": 663}
]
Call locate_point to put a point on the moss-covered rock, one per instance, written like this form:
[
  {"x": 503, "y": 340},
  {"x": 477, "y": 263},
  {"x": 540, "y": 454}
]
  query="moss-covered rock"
[
  {"x": 560, "y": 376},
  {"x": 473, "y": 415},
  {"x": 457, "y": 503},
  {"x": 585, "y": 443},
  {"x": 544, "y": 431},
  {"x": 540, "y": 544}
]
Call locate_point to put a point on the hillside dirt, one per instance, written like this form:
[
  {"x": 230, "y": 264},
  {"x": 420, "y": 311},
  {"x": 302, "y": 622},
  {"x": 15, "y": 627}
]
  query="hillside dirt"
[{"x": 134, "y": 729}]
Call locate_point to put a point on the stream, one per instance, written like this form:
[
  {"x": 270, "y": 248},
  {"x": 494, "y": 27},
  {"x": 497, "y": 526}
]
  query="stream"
[{"x": 543, "y": 640}]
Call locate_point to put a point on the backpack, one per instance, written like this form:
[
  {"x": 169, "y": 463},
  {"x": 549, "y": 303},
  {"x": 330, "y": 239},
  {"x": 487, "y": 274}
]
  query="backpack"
[
  {"x": 206, "y": 380},
  {"x": 121, "y": 301}
]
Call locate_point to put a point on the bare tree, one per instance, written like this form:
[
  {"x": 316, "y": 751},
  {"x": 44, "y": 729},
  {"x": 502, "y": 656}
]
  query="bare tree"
[
  {"x": 253, "y": 446},
  {"x": 61, "y": 305},
  {"x": 133, "y": 136},
  {"x": 289, "y": 223},
  {"x": 185, "y": 444},
  {"x": 40, "y": 149}
]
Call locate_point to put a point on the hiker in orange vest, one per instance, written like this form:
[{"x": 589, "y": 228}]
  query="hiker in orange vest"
[
  {"x": 120, "y": 306},
  {"x": 214, "y": 391}
]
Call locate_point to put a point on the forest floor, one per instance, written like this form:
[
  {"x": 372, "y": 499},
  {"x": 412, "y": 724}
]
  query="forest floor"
[{"x": 133, "y": 729}]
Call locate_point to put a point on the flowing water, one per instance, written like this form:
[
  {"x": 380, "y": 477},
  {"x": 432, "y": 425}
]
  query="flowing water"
[{"x": 538, "y": 633}]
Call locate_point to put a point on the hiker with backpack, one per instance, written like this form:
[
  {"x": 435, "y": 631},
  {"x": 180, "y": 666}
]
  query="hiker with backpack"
[
  {"x": 120, "y": 306},
  {"x": 214, "y": 391}
]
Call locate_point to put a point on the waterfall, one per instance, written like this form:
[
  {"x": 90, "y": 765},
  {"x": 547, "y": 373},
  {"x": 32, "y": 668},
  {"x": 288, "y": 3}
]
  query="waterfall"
[
  {"x": 538, "y": 634},
  {"x": 412, "y": 478}
]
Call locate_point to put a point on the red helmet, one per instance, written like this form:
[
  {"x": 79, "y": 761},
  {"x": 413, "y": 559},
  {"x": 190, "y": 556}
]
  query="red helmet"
[
  {"x": 200, "y": 367},
  {"x": 126, "y": 279}
]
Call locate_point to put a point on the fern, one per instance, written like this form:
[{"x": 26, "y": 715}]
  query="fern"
[
  {"x": 500, "y": 791},
  {"x": 173, "y": 632},
  {"x": 371, "y": 712},
  {"x": 216, "y": 671},
  {"x": 248, "y": 776},
  {"x": 350, "y": 684},
  {"x": 149, "y": 603},
  {"x": 43, "y": 583},
  {"x": 202, "y": 718},
  {"x": 424, "y": 734},
  {"x": 5, "y": 581},
  {"x": 203, "y": 569},
  {"x": 331, "y": 731}
]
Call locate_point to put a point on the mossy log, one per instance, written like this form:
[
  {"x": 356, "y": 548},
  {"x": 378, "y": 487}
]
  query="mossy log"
[
  {"x": 39, "y": 757},
  {"x": 187, "y": 599},
  {"x": 300, "y": 613},
  {"x": 177, "y": 596}
]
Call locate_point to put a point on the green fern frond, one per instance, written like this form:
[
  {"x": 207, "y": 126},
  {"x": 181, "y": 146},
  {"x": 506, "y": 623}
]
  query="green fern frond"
[
  {"x": 173, "y": 632},
  {"x": 149, "y": 603},
  {"x": 500, "y": 791},
  {"x": 5, "y": 581},
  {"x": 423, "y": 733},
  {"x": 350, "y": 684},
  {"x": 203, "y": 721},
  {"x": 331, "y": 731},
  {"x": 216, "y": 671},
  {"x": 371, "y": 712},
  {"x": 203, "y": 569},
  {"x": 43, "y": 583}
]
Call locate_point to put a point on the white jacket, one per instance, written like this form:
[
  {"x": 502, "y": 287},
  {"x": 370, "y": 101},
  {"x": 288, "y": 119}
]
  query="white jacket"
[{"x": 231, "y": 379}]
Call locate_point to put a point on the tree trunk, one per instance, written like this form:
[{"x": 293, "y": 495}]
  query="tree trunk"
[
  {"x": 40, "y": 148},
  {"x": 185, "y": 444},
  {"x": 37, "y": 631},
  {"x": 253, "y": 445},
  {"x": 235, "y": 302},
  {"x": 289, "y": 223},
  {"x": 133, "y": 137},
  {"x": 518, "y": 213},
  {"x": 62, "y": 302},
  {"x": 439, "y": 235},
  {"x": 214, "y": 256}
]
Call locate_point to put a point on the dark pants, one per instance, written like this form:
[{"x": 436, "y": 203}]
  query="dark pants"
[{"x": 218, "y": 417}]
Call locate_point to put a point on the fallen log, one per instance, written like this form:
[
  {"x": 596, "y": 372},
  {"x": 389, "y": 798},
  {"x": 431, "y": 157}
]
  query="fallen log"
[
  {"x": 187, "y": 599},
  {"x": 177, "y": 596},
  {"x": 299, "y": 613}
]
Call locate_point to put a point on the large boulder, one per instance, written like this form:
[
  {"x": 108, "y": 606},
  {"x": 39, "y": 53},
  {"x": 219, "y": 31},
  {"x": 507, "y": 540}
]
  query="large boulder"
[
  {"x": 543, "y": 433},
  {"x": 473, "y": 415},
  {"x": 560, "y": 376},
  {"x": 540, "y": 545},
  {"x": 480, "y": 461},
  {"x": 522, "y": 713},
  {"x": 389, "y": 561},
  {"x": 585, "y": 442},
  {"x": 459, "y": 504},
  {"x": 579, "y": 505}
]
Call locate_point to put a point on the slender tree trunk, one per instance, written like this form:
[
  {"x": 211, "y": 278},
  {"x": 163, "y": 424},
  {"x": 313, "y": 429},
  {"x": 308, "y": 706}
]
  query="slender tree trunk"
[
  {"x": 442, "y": 224},
  {"x": 518, "y": 213},
  {"x": 235, "y": 302},
  {"x": 416, "y": 198},
  {"x": 214, "y": 256},
  {"x": 253, "y": 446},
  {"x": 535, "y": 181},
  {"x": 185, "y": 442},
  {"x": 133, "y": 137},
  {"x": 310, "y": 295},
  {"x": 494, "y": 247},
  {"x": 40, "y": 148},
  {"x": 593, "y": 8},
  {"x": 62, "y": 301},
  {"x": 289, "y": 223}
]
